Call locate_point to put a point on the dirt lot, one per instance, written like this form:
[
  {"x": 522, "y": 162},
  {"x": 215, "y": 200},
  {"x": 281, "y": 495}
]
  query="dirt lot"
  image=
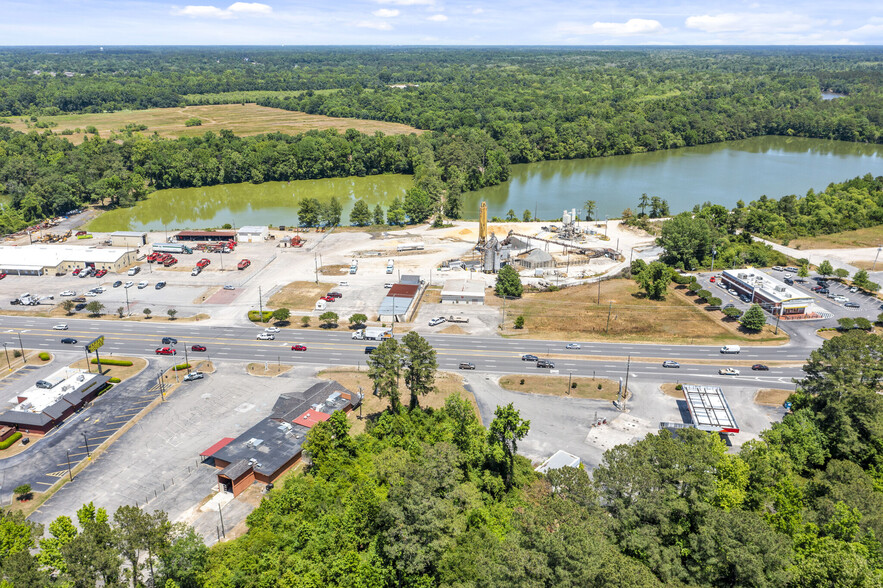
[
  {"x": 446, "y": 383},
  {"x": 558, "y": 386},
  {"x": 574, "y": 313},
  {"x": 870, "y": 237},
  {"x": 242, "y": 119},
  {"x": 299, "y": 295},
  {"x": 772, "y": 396},
  {"x": 267, "y": 370}
]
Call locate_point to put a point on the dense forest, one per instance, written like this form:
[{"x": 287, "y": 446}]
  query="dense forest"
[
  {"x": 487, "y": 108},
  {"x": 431, "y": 498}
]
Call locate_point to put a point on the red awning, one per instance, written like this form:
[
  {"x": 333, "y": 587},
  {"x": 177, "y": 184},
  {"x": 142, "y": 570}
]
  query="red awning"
[{"x": 216, "y": 447}]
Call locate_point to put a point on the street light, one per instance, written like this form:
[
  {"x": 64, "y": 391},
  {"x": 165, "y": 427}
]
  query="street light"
[
  {"x": 8, "y": 364},
  {"x": 88, "y": 453},
  {"x": 874, "y": 267},
  {"x": 21, "y": 346},
  {"x": 713, "y": 253}
]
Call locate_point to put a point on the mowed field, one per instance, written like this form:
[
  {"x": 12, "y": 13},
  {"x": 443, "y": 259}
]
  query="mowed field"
[
  {"x": 242, "y": 119},
  {"x": 869, "y": 237}
]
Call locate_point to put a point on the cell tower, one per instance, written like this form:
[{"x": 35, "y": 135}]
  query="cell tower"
[{"x": 482, "y": 224}]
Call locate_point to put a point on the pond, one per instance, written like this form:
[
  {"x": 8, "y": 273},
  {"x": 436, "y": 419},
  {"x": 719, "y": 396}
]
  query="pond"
[{"x": 721, "y": 173}]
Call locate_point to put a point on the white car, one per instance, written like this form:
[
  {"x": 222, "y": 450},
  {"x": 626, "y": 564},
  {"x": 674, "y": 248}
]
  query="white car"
[
  {"x": 91, "y": 293},
  {"x": 61, "y": 327},
  {"x": 266, "y": 336},
  {"x": 129, "y": 284},
  {"x": 229, "y": 287},
  {"x": 841, "y": 299},
  {"x": 437, "y": 321},
  {"x": 728, "y": 372},
  {"x": 68, "y": 293},
  {"x": 272, "y": 330},
  {"x": 387, "y": 285},
  {"x": 142, "y": 284},
  {"x": 99, "y": 289},
  {"x": 194, "y": 376},
  {"x": 853, "y": 290},
  {"x": 572, "y": 346}
]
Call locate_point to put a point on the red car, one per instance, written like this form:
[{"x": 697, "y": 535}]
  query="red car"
[
  {"x": 202, "y": 263},
  {"x": 76, "y": 272},
  {"x": 2, "y": 275},
  {"x": 298, "y": 347},
  {"x": 198, "y": 348},
  {"x": 327, "y": 298},
  {"x": 100, "y": 273},
  {"x": 170, "y": 262},
  {"x": 711, "y": 279},
  {"x": 166, "y": 351}
]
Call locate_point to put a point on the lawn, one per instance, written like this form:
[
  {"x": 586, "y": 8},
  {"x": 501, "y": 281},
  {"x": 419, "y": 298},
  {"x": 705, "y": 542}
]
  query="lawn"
[
  {"x": 446, "y": 383},
  {"x": 242, "y": 119},
  {"x": 299, "y": 295},
  {"x": 558, "y": 386},
  {"x": 114, "y": 371},
  {"x": 772, "y": 396},
  {"x": 869, "y": 237},
  {"x": 624, "y": 314}
]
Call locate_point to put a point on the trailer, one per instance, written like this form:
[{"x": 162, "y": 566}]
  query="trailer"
[
  {"x": 457, "y": 319},
  {"x": 171, "y": 248},
  {"x": 373, "y": 334}
]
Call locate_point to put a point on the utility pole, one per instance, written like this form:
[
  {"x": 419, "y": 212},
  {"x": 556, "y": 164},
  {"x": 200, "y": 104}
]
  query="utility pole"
[
  {"x": 8, "y": 363},
  {"x": 22, "y": 347},
  {"x": 162, "y": 387},
  {"x": 223, "y": 532},
  {"x": 316, "y": 264},
  {"x": 569, "y": 380},
  {"x": 874, "y": 267},
  {"x": 261, "y": 303},
  {"x": 186, "y": 361},
  {"x": 88, "y": 453},
  {"x": 69, "y": 472},
  {"x": 599, "y": 290},
  {"x": 778, "y": 316},
  {"x": 609, "y": 310},
  {"x": 625, "y": 393},
  {"x": 713, "y": 253},
  {"x": 128, "y": 312}
]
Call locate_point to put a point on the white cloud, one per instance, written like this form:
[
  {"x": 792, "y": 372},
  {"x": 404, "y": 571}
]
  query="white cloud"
[
  {"x": 633, "y": 26},
  {"x": 477, "y": 10},
  {"x": 438, "y": 18},
  {"x": 380, "y": 25},
  {"x": 386, "y": 13},
  {"x": 243, "y": 8},
  {"x": 407, "y": 2},
  {"x": 729, "y": 22}
]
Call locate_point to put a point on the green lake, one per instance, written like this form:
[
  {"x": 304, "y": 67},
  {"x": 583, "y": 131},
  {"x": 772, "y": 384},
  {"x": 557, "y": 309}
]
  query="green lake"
[{"x": 721, "y": 173}]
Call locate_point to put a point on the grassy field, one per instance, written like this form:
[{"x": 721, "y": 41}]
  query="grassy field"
[
  {"x": 268, "y": 370},
  {"x": 772, "y": 396},
  {"x": 115, "y": 371},
  {"x": 246, "y": 96},
  {"x": 558, "y": 386},
  {"x": 870, "y": 237},
  {"x": 242, "y": 119},
  {"x": 446, "y": 383},
  {"x": 299, "y": 295},
  {"x": 574, "y": 313}
]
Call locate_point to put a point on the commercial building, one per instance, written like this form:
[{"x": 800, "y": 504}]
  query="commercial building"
[
  {"x": 560, "y": 459},
  {"x": 709, "y": 409},
  {"x": 38, "y": 260},
  {"x": 37, "y": 410},
  {"x": 133, "y": 239},
  {"x": 398, "y": 303},
  {"x": 252, "y": 234},
  {"x": 205, "y": 236},
  {"x": 463, "y": 292},
  {"x": 773, "y": 295},
  {"x": 275, "y": 444}
]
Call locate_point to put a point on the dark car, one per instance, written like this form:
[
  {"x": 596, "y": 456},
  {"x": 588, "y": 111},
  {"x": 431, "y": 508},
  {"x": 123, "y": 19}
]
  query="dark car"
[
  {"x": 80, "y": 306},
  {"x": 759, "y": 367},
  {"x": 169, "y": 341},
  {"x": 198, "y": 348},
  {"x": 160, "y": 285},
  {"x": 529, "y": 357},
  {"x": 369, "y": 350},
  {"x": 78, "y": 299},
  {"x": 298, "y": 347},
  {"x": 730, "y": 305},
  {"x": 465, "y": 365},
  {"x": 545, "y": 363},
  {"x": 852, "y": 305},
  {"x": 824, "y": 291},
  {"x": 118, "y": 283},
  {"x": 69, "y": 341},
  {"x": 335, "y": 295},
  {"x": 670, "y": 364}
]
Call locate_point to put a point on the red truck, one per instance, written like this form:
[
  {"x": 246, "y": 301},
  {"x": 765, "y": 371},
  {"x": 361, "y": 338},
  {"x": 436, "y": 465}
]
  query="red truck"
[
  {"x": 170, "y": 262},
  {"x": 152, "y": 257},
  {"x": 203, "y": 263},
  {"x": 243, "y": 264}
]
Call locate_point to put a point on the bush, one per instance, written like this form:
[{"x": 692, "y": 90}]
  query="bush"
[
  {"x": 305, "y": 321},
  {"x": 8, "y": 443},
  {"x": 16, "y": 353},
  {"x": 519, "y": 322},
  {"x": 679, "y": 387},
  {"x": 521, "y": 382},
  {"x": 119, "y": 362},
  {"x": 255, "y": 316},
  {"x": 714, "y": 301},
  {"x": 704, "y": 294},
  {"x": 181, "y": 366},
  {"x": 114, "y": 380},
  {"x": 600, "y": 386},
  {"x": 193, "y": 122},
  {"x": 44, "y": 356},
  {"x": 573, "y": 385}
]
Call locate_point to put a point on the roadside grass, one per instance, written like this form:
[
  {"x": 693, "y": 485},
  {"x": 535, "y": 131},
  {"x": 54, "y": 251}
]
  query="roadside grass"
[
  {"x": 446, "y": 383},
  {"x": 575, "y": 314},
  {"x": 558, "y": 386},
  {"x": 109, "y": 314},
  {"x": 242, "y": 119},
  {"x": 869, "y": 237},
  {"x": 828, "y": 335},
  {"x": 300, "y": 296},
  {"x": 267, "y": 370},
  {"x": 670, "y": 389},
  {"x": 114, "y": 371},
  {"x": 772, "y": 396}
]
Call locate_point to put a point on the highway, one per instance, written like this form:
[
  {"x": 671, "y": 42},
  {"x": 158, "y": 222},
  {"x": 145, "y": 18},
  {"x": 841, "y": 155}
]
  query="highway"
[{"x": 493, "y": 355}]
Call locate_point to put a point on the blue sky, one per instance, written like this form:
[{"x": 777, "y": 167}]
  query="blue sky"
[{"x": 440, "y": 22}]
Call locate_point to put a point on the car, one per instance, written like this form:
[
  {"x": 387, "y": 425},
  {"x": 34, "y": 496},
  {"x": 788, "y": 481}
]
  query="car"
[
  {"x": 529, "y": 357},
  {"x": 387, "y": 285},
  {"x": 197, "y": 348},
  {"x": 744, "y": 298},
  {"x": 777, "y": 268},
  {"x": 118, "y": 283},
  {"x": 466, "y": 365},
  {"x": 732, "y": 292},
  {"x": 853, "y": 290},
  {"x": 80, "y": 306},
  {"x": 160, "y": 285},
  {"x": 335, "y": 294},
  {"x": 545, "y": 363},
  {"x": 196, "y": 271},
  {"x": 711, "y": 279},
  {"x": 68, "y": 293},
  {"x": 730, "y": 305},
  {"x": 91, "y": 293},
  {"x": 129, "y": 284},
  {"x": 759, "y": 367},
  {"x": 824, "y": 291},
  {"x": 229, "y": 287},
  {"x": 78, "y": 299},
  {"x": 69, "y": 341},
  {"x": 788, "y": 281},
  {"x": 101, "y": 273},
  {"x": 437, "y": 321},
  {"x": 266, "y": 337},
  {"x": 169, "y": 341},
  {"x": 142, "y": 284},
  {"x": 816, "y": 288},
  {"x": 327, "y": 299},
  {"x": 60, "y": 327},
  {"x": 272, "y": 330},
  {"x": 298, "y": 347},
  {"x": 852, "y": 305},
  {"x": 370, "y": 350},
  {"x": 99, "y": 289},
  {"x": 728, "y": 372},
  {"x": 194, "y": 376},
  {"x": 3, "y": 275},
  {"x": 572, "y": 346},
  {"x": 83, "y": 274},
  {"x": 670, "y": 364},
  {"x": 76, "y": 271},
  {"x": 165, "y": 351}
]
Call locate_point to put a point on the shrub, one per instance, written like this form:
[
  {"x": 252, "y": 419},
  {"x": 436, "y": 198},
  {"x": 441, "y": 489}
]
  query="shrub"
[
  {"x": 521, "y": 382},
  {"x": 181, "y": 366},
  {"x": 255, "y": 316},
  {"x": 114, "y": 380},
  {"x": 16, "y": 353},
  {"x": 119, "y": 362},
  {"x": 573, "y": 385},
  {"x": 704, "y": 294},
  {"x": 193, "y": 122},
  {"x": 519, "y": 322},
  {"x": 600, "y": 386},
  {"x": 8, "y": 443},
  {"x": 679, "y": 387},
  {"x": 44, "y": 356},
  {"x": 23, "y": 492},
  {"x": 305, "y": 321}
]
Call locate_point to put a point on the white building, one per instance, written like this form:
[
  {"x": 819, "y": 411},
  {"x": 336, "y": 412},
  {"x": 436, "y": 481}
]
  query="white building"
[
  {"x": 132, "y": 239},
  {"x": 559, "y": 459},
  {"x": 252, "y": 234},
  {"x": 38, "y": 260},
  {"x": 773, "y": 295},
  {"x": 463, "y": 292}
]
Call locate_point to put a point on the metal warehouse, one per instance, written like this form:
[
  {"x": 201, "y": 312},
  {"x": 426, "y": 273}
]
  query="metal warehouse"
[
  {"x": 463, "y": 292},
  {"x": 132, "y": 239},
  {"x": 252, "y": 234},
  {"x": 773, "y": 295},
  {"x": 38, "y": 260},
  {"x": 205, "y": 236}
]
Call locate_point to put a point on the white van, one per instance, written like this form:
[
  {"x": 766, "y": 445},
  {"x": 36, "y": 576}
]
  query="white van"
[
  {"x": 731, "y": 349},
  {"x": 321, "y": 305},
  {"x": 343, "y": 283}
]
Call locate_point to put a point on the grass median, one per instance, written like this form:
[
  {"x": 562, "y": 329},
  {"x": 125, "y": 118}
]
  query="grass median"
[{"x": 594, "y": 388}]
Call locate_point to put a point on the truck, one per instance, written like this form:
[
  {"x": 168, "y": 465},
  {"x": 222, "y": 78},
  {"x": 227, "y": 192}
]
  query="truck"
[
  {"x": 373, "y": 334},
  {"x": 354, "y": 266},
  {"x": 457, "y": 319},
  {"x": 390, "y": 265},
  {"x": 171, "y": 248}
]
